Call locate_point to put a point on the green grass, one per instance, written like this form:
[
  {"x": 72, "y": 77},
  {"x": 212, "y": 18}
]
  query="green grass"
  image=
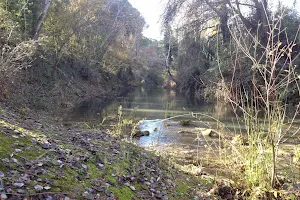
[
  {"x": 123, "y": 193},
  {"x": 94, "y": 171},
  {"x": 9, "y": 144}
]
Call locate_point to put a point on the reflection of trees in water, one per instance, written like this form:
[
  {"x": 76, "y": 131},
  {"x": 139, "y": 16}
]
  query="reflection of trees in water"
[
  {"x": 221, "y": 109},
  {"x": 170, "y": 98},
  {"x": 144, "y": 103}
]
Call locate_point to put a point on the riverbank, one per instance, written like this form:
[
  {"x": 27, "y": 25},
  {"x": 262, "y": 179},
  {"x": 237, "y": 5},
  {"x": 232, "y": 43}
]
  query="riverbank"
[
  {"x": 37, "y": 88},
  {"x": 41, "y": 158},
  {"x": 81, "y": 154},
  {"x": 189, "y": 139}
]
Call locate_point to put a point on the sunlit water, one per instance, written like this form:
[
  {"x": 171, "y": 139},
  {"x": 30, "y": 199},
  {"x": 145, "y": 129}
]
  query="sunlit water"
[{"x": 161, "y": 113}]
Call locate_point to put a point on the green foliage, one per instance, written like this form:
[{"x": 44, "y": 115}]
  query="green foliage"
[
  {"x": 21, "y": 17},
  {"x": 251, "y": 63},
  {"x": 124, "y": 126},
  {"x": 119, "y": 126},
  {"x": 207, "y": 51},
  {"x": 86, "y": 42},
  {"x": 153, "y": 79},
  {"x": 145, "y": 41},
  {"x": 123, "y": 193}
]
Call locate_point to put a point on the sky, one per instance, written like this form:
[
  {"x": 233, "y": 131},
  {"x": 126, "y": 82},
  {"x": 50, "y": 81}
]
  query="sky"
[{"x": 152, "y": 10}]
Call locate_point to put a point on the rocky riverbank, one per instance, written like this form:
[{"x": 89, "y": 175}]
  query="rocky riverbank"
[{"x": 41, "y": 158}]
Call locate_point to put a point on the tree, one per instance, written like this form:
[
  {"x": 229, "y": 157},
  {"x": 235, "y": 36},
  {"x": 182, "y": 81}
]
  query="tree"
[
  {"x": 41, "y": 19},
  {"x": 77, "y": 39},
  {"x": 206, "y": 28}
]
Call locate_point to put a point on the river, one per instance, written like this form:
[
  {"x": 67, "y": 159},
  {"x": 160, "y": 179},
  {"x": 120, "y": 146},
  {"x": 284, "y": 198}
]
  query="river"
[
  {"x": 164, "y": 113},
  {"x": 177, "y": 125}
]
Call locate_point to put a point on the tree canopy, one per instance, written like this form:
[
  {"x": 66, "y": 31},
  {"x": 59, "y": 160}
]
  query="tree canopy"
[{"x": 211, "y": 37}]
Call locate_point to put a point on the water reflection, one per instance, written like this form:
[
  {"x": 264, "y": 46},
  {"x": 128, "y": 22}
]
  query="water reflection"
[
  {"x": 154, "y": 105},
  {"x": 147, "y": 104}
]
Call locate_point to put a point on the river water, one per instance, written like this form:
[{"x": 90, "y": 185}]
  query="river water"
[
  {"x": 163, "y": 114},
  {"x": 149, "y": 104}
]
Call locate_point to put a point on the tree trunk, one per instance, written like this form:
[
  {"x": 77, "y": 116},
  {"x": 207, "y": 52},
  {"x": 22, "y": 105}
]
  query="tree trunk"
[
  {"x": 223, "y": 15},
  {"x": 261, "y": 16},
  {"x": 38, "y": 27}
]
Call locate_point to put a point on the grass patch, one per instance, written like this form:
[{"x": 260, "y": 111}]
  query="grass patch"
[
  {"x": 94, "y": 171},
  {"x": 123, "y": 193},
  {"x": 9, "y": 144},
  {"x": 182, "y": 188},
  {"x": 67, "y": 181}
]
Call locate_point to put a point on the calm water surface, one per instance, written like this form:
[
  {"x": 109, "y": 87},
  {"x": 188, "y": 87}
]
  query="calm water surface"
[
  {"x": 154, "y": 106},
  {"x": 148, "y": 104}
]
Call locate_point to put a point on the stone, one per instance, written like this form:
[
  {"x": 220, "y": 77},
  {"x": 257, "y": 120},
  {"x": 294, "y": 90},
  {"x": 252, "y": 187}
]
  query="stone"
[
  {"x": 88, "y": 196},
  {"x": 127, "y": 184},
  {"x": 108, "y": 193},
  {"x": 132, "y": 188},
  {"x": 5, "y": 160},
  {"x": 47, "y": 187},
  {"x": 49, "y": 198},
  {"x": 16, "y": 131},
  {"x": 141, "y": 133},
  {"x": 18, "y": 185},
  {"x": 100, "y": 189},
  {"x": 148, "y": 183},
  {"x": 20, "y": 191},
  {"x": 207, "y": 132},
  {"x": 59, "y": 162},
  {"x": 100, "y": 165},
  {"x": 165, "y": 197},
  {"x": 38, "y": 187},
  {"x": 84, "y": 166},
  {"x": 3, "y": 196},
  {"x": 9, "y": 190},
  {"x": 46, "y": 145}
]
